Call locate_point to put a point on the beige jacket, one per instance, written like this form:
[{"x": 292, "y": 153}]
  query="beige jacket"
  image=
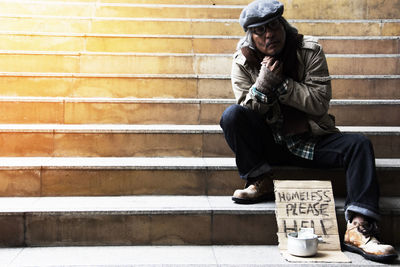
[{"x": 312, "y": 95}]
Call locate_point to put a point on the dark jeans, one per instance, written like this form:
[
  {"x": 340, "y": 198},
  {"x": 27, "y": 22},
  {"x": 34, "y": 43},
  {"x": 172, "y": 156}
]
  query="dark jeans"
[{"x": 251, "y": 140}]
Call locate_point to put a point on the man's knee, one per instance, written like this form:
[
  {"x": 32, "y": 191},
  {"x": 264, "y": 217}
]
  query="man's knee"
[
  {"x": 231, "y": 116},
  {"x": 360, "y": 141}
]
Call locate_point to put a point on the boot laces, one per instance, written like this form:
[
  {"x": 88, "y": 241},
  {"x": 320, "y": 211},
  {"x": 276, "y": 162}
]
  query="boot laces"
[
  {"x": 258, "y": 183},
  {"x": 368, "y": 229},
  {"x": 261, "y": 184}
]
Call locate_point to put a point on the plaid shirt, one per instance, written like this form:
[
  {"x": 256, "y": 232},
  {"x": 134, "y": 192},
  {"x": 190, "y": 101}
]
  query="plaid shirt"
[{"x": 300, "y": 145}]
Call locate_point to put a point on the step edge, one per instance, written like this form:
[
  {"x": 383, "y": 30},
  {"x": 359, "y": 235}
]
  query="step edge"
[
  {"x": 130, "y": 100},
  {"x": 95, "y": 35},
  {"x": 167, "y": 76},
  {"x": 147, "y": 163},
  {"x": 94, "y": 18},
  {"x": 163, "y": 129},
  {"x": 145, "y": 204},
  {"x": 148, "y": 54}
]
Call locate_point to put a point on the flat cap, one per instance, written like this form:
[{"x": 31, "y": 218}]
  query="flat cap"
[{"x": 260, "y": 12}]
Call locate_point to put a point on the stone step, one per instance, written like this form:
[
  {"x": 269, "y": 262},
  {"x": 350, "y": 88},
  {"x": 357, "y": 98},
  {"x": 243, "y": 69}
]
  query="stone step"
[
  {"x": 117, "y": 176},
  {"x": 34, "y": 84},
  {"x": 344, "y": 9},
  {"x": 18, "y": 41},
  {"x": 163, "y": 26},
  {"x": 309, "y": 10},
  {"x": 53, "y": 8},
  {"x": 345, "y": 5},
  {"x": 159, "y": 63},
  {"x": 171, "y": 111},
  {"x": 152, "y": 220},
  {"x": 262, "y": 255},
  {"x": 44, "y": 140}
]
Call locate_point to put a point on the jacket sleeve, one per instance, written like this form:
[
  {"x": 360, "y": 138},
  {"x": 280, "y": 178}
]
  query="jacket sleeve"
[
  {"x": 242, "y": 82},
  {"x": 313, "y": 94}
]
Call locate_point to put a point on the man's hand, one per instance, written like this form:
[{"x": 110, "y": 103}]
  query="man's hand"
[
  {"x": 272, "y": 64},
  {"x": 270, "y": 76}
]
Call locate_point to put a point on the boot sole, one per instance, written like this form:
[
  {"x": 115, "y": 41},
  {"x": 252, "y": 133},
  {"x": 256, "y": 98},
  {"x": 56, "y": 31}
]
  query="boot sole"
[
  {"x": 267, "y": 197},
  {"x": 378, "y": 258}
]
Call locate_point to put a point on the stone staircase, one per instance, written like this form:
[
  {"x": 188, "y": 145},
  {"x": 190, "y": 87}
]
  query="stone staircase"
[{"x": 110, "y": 109}]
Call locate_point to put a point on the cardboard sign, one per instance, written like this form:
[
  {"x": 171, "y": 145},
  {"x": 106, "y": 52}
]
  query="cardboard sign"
[{"x": 308, "y": 204}]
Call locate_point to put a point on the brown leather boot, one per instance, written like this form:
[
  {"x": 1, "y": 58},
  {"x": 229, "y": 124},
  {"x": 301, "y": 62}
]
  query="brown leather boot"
[
  {"x": 255, "y": 191},
  {"x": 360, "y": 238}
]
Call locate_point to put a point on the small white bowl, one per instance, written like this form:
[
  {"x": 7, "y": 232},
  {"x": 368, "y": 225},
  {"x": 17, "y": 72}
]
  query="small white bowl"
[{"x": 303, "y": 247}]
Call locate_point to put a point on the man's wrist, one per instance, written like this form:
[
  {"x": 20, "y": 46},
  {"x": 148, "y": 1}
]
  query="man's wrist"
[
  {"x": 273, "y": 93},
  {"x": 260, "y": 96}
]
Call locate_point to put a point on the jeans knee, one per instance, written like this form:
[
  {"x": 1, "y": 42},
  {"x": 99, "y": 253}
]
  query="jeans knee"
[
  {"x": 361, "y": 141},
  {"x": 231, "y": 116}
]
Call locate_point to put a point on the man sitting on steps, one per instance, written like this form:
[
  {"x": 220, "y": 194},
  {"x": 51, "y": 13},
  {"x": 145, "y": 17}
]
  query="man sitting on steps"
[{"x": 282, "y": 86}]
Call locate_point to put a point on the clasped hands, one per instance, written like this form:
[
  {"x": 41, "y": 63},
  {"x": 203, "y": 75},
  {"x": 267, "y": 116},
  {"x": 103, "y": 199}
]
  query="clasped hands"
[{"x": 270, "y": 77}]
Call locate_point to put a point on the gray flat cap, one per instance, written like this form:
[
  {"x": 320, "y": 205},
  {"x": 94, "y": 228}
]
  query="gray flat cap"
[{"x": 260, "y": 12}]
